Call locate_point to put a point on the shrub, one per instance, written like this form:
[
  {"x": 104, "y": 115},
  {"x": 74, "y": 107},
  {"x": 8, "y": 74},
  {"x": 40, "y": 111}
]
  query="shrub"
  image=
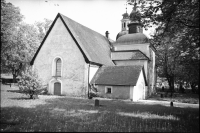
[{"x": 29, "y": 83}]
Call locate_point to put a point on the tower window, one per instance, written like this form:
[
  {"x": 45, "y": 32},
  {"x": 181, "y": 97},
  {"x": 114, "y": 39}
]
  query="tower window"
[{"x": 124, "y": 25}]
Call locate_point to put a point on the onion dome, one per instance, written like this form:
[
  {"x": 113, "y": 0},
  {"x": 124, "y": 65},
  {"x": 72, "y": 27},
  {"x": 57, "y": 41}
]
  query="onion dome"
[
  {"x": 125, "y": 15},
  {"x": 137, "y": 38}
]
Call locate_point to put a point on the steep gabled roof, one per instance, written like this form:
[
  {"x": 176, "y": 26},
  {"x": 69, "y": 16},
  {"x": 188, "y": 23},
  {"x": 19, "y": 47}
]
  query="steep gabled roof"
[
  {"x": 117, "y": 75},
  {"x": 94, "y": 46}
]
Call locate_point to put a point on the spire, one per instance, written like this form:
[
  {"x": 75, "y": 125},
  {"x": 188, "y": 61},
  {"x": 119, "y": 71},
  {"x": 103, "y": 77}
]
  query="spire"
[
  {"x": 124, "y": 23},
  {"x": 125, "y": 15},
  {"x": 126, "y": 8}
]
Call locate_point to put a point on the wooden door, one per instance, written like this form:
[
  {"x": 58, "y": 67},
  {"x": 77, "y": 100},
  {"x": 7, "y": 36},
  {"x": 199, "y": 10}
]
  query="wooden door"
[{"x": 57, "y": 88}]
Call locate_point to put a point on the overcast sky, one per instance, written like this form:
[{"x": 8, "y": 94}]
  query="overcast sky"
[{"x": 98, "y": 15}]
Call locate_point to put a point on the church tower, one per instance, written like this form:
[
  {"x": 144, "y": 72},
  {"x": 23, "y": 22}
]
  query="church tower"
[
  {"x": 125, "y": 21},
  {"x": 124, "y": 24},
  {"x": 132, "y": 48}
]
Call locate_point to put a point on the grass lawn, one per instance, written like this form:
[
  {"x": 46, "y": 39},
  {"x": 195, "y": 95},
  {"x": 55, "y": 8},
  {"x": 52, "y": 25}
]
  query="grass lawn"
[{"x": 69, "y": 114}]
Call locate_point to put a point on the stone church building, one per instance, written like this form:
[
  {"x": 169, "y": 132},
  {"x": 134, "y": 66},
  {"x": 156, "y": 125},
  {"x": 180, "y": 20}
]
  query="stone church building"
[{"x": 75, "y": 60}]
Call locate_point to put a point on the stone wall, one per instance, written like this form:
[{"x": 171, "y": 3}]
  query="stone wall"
[
  {"x": 118, "y": 92},
  {"x": 60, "y": 44},
  {"x": 152, "y": 70}
]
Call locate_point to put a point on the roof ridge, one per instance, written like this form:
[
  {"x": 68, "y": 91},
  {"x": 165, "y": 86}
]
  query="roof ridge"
[{"x": 83, "y": 25}]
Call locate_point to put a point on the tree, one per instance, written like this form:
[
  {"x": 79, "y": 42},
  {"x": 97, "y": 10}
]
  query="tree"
[
  {"x": 43, "y": 27},
  {"x": 189, "y": 62},
  {"x": 19, "y": 40},
  {"x": 10, "y": 20},
  {"x": 29, "y": 83},
  {"x": 24, "y": 44},
  {"x": 176, "y": 38}
]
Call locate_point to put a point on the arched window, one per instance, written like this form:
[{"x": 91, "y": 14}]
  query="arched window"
[
  {"x": 58, "y": 67},
  {"x": 124, "y": 25}
]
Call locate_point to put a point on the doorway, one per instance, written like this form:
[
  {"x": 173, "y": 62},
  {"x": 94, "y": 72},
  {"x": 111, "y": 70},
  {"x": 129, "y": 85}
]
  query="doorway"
[{"x": 57, "y": 88}]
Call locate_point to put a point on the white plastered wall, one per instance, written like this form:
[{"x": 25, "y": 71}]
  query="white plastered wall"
[
  {"x": 138, "y": 91},
  {"x": 92, "y": 71}
]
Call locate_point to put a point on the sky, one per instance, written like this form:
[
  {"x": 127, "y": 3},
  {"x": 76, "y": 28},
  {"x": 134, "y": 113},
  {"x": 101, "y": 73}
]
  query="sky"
[{"x": 98, "y": 15}]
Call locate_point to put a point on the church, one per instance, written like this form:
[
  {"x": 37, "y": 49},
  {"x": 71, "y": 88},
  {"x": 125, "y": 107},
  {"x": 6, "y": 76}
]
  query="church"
[{"x": 74, "y": 60}]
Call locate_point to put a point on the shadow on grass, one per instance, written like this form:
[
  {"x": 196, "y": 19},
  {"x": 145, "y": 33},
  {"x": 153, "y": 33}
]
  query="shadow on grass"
[
  {"x": 75, "y": 115},
  {"x": 21, "y": 98},
  {"x": 8, "y": 123},
  {"x": 16, "y": 91}
]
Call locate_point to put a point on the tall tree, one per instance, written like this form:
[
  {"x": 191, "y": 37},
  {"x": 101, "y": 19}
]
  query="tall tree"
[
  {"x": 177, "y": 36},
  {"x": 10, "y": 21},
  {"x": 19, "y": 40},
  {"x": 25, "y": 42}
]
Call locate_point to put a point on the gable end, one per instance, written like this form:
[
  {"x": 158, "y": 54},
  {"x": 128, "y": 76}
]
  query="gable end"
[{"x": 58, "y": 15}]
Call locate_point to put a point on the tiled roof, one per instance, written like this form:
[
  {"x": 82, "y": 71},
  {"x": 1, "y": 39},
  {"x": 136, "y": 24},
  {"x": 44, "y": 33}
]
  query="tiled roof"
[
  {"x": 94, "y": 46},
  {"x": 117, "y": 75}
]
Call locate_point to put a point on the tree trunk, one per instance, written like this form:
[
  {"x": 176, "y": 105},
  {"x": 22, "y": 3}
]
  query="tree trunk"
[
  {"x": 31, "y": 96},
  {"x": 181, "y": 89},
  {"x": 193, "y": 87},
  {"x": 31, "y": 93},
  {"x": 14, "y": 78},
  {"x": 171, "y": 84},
  {"x": 15, "y": 71}
]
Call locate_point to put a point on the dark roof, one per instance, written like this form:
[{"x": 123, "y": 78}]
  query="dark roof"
[
  {"x": 125, "y": 15},
  {"x": 117, "y": 75},
  {"x": 136, "y": 38},
  {"x": 94, "y": 46},
  {"x": 135, "y": 55}
]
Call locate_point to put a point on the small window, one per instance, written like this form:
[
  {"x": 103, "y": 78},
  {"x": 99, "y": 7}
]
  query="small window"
[
  {"x": 108, "y": 89},
  {"x": 124, "y": 25}
]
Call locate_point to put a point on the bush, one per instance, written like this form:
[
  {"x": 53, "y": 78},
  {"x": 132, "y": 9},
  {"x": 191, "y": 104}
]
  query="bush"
[{"x": 29, "y": 83}]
